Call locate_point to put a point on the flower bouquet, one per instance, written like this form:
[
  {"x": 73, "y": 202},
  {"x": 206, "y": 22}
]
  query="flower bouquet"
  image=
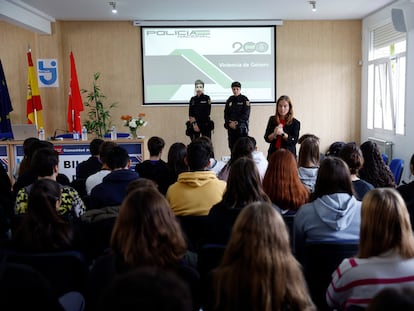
[{"x": 134, "y": 123}]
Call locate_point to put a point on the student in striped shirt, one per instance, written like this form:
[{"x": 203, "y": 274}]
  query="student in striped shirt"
[{"x": 386, "y": 253}]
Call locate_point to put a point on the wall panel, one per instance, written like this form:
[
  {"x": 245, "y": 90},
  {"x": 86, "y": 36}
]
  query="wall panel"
[{"x": 317, "y": 66}]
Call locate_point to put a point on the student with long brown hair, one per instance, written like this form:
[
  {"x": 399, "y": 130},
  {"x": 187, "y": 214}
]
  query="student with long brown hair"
[
  {"x": 308, "y": 161},
  {"x": 282, "y": 184},
  {"x": 146, "y": 233},
  {"x": 374, "y": 170},
  {"x": 282, "y": 130},
  {"x": 386, "y": 252},
  {"x": 41, "y": 228},
  {"x": 258, "y": 270},
  {"x": 239, "y": 192},
  {"x": 352, "y": 155},
  {"x": 333, "y": 213}
]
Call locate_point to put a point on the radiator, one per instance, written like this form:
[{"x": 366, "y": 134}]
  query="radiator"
[{"x": 384, "y": 146}]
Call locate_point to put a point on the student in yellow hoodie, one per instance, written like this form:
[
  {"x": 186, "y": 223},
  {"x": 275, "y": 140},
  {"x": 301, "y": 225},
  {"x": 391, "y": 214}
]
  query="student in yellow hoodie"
[{"x": 197, "y": 190}]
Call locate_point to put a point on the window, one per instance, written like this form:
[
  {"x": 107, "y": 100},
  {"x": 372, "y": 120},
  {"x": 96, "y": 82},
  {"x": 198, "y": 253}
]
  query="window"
[{"x": 386, "y": 80}]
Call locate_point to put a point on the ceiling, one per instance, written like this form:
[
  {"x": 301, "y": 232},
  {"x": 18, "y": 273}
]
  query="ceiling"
[{"x": 205, "y": 10}]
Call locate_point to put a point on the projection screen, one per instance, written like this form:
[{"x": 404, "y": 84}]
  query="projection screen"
[{"x": 174, "y": 57}]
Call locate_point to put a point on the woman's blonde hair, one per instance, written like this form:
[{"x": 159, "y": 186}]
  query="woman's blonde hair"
[
  {"x": 258, "y": 270},
  {"x": 385, "y": 224}
]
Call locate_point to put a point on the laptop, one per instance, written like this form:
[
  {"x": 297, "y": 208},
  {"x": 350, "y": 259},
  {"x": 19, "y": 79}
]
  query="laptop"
[{"x": 23, "y": 131}]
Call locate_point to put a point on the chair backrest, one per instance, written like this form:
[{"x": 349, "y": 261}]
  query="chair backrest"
[
  {"x": 79, "y": 185},
  {"x": 289, "y": 219},
  {"x": 23, "y": 288},
  {"x": 209, "y": 258},
  {"x": 66, "y": 271},
  {"x": 385, "y": 158},
  {"x": 396, "y": 167},
  {"x": 319, "y": 262},
  {"x": 195, "y": 230}
]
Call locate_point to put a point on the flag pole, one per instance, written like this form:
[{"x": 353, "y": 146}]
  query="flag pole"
[
  {"x": 73, "y": 120},
  {"x": 35, "y": 116}
]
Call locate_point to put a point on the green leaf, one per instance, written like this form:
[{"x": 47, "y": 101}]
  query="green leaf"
[{"x": 99, "y": 114}]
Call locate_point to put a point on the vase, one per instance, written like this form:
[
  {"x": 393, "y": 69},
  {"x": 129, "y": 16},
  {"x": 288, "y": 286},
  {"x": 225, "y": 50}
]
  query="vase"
[{"x": 133, "y": 133}]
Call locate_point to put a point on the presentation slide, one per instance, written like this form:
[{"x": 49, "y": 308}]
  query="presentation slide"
[{"x": 174, "y": 57}]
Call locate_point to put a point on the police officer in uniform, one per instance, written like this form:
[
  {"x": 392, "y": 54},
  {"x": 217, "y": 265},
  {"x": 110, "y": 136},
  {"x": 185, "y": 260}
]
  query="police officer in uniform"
[
  {"x": 236, "y": 115},
  {"x": 199, "y": 113}
]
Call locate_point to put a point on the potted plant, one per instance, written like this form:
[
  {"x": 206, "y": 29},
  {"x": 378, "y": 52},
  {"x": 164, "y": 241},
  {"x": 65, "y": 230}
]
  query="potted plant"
[{"x": 99, "y": 114}]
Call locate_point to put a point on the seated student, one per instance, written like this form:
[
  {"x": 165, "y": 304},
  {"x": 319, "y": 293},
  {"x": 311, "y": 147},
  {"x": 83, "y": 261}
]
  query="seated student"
[
  {"x": 176, "y": 164},
  {"x": 258, "y": 270},
  {"x": 45, "y": 165},
  {"x": 42, "y": 229},
  {"x": 92, "y": 164},
  {"x": 385, "y": 257},
  {"x": 282, "y": 184},
  {"x": 26, "y": 174},
  {"x": 196, "y": 191},
  {"x": 96, "y": 179},
  {"x": 334, "y": 149},
  {"x": 239, "y": 193},
  {"x": 113, "y": 188},
  {"x": 141, "y": 183},
  {"x": 407, "y": 190},
  {"x": 333, "y": 213},
  {"x": 259, "y": 158},
  {"x": 146, "y": 234},
  {"x": 243, "y": 147},
  {"x": 22, "y": 167},
  {"x": 352, "y": 156},
  {"x": 308, "y": 161},
  {"x": 155, "y": 168},
  {"x": 215, "y": 165},
  {"x": 374, "y": 170}
]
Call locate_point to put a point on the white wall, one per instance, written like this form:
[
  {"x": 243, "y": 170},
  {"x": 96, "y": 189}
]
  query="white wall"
[{"x": 403, "y": 144}]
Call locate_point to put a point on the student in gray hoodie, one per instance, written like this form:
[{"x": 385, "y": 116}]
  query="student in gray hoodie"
[
  {"x": 333, "y": 213},
  {"x": 308, "y": 161}
]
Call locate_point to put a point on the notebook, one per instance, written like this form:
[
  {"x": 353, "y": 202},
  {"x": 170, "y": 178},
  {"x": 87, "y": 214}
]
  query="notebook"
[{"x": 23, "y": 131}]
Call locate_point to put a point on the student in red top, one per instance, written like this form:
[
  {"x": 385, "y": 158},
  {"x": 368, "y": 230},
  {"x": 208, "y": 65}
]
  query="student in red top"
[{"x": 282, "y": 130}]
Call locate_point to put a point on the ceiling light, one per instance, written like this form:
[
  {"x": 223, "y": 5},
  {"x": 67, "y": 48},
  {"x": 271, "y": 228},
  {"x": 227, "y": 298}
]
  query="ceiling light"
[
  {"x": 113, "y": 5},
  {"x": 313, "y": 5}
]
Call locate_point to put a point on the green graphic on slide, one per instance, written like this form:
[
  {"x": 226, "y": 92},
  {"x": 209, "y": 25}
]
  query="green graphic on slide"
[
  {"x": 160, "y": 93},
  {"x": 205, "y": 66}
]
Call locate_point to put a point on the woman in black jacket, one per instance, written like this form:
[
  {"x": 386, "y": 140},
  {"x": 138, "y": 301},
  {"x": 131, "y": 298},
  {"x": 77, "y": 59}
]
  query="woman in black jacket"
[{"x": 282, "y": 130}]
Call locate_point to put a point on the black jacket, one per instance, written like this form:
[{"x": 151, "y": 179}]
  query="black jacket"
[
  {"x": 291, "y": 129},
  {"x": 237, "y": 109}
]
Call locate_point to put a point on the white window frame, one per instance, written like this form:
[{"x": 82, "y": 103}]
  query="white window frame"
[{"x": 385, "y": 107}]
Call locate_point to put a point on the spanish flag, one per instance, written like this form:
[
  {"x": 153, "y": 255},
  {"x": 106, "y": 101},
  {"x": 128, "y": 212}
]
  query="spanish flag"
[
  {"x": 75, "y": 100},
  {"x": 34, "y": 104}
]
